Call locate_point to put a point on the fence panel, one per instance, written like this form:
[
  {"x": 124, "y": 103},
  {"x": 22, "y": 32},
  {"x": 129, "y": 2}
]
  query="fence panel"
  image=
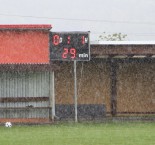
[{"x": 24, "y": 95}]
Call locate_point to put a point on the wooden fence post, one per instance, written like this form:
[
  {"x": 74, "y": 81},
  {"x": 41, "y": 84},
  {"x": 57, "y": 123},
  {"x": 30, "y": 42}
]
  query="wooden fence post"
[{"x": 113, "y": 86}]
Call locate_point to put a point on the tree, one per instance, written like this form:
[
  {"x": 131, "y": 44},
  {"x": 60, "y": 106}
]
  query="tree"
[{"x": 112, "y": 37}]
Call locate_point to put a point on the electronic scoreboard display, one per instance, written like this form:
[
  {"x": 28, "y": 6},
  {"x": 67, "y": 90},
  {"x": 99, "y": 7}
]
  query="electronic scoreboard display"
[{"x": 69, "y": 46}]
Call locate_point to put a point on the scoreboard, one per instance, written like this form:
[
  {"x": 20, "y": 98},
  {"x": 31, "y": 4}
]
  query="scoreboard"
[{"x": 69, "y": 46}]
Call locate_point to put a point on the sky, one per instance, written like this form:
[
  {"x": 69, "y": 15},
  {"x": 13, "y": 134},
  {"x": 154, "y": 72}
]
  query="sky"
[{"x": 135, "y": 18}]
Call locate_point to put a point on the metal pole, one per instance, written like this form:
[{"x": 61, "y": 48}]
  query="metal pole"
[
  {"x": 52, "y": 94},
  {"x": 53, "y": 97},
  {"x": 75, "y": 91}
]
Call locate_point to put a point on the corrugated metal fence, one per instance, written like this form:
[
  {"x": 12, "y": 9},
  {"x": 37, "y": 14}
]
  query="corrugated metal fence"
[{"x": 24, "y": 95}]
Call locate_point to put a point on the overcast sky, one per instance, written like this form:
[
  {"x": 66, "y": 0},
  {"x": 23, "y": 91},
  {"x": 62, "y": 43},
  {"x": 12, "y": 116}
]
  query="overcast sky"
[{"x": 136, "y": 18}]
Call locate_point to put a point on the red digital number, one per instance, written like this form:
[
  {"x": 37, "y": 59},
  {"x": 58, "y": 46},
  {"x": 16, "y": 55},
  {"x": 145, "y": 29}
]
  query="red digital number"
[
  {"x": 83, "y": 40},
  {"x": 65, "y": 53},
  {"x": 56, "y": 39},
  {"x": 73, "y": 53}
]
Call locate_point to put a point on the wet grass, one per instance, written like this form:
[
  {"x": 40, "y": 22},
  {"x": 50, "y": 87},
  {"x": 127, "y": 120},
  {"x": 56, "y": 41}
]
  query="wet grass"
[{"x": 114, "y": 133}]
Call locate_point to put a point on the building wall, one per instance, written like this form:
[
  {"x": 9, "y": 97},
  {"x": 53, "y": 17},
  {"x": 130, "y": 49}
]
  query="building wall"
[
  {"x": 24, "y": 46},
  {"x": 135, "y": 85}
]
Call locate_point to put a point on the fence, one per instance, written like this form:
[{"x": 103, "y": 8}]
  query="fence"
[
  {"x": 26, "y": 94},
  {"x": 135, "y": 89}
]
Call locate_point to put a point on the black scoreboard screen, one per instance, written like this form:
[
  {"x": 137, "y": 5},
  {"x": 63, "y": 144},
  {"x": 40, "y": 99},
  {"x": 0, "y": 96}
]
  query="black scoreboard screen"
[{"x": 69, "y": 46}]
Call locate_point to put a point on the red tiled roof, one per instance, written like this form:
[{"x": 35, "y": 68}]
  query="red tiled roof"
[{"x": 26, "y": 26}]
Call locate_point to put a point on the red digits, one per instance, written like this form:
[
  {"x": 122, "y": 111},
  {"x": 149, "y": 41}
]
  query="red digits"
[
  {"x": 73, "y": 53},
  {"x": 68, "y": 39},
  {"x": 65, "y": 53},
  {"x": 83, "y": 40},
  {"x": 56, "y": 39}
]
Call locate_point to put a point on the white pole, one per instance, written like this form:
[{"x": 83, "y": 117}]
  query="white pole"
[
  {"x": 75, "y": 91},
  {"x": 53, "y": 96}
]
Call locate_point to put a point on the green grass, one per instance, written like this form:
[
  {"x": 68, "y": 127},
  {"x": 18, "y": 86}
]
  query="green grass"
[{"x": 80, "y": 134}]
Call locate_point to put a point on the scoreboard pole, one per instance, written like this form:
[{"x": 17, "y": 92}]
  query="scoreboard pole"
[
  {"x": 75, "y": 91},
  {"x": 70, "y": 46}
]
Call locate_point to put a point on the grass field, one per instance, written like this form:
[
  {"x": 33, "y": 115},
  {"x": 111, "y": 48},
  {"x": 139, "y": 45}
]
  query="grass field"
[{"x": 114, "y": 133}]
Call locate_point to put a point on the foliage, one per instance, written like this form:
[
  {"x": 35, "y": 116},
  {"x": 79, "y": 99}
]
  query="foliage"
[{"x": 112, "y": 37}]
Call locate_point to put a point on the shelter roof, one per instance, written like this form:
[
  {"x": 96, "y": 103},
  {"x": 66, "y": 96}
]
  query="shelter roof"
[
  {"x": 123, "y": 43},
  {"x": 25, "y": 27}
]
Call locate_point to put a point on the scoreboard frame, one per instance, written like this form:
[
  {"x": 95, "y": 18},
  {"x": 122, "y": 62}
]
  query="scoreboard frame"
[{"x": 70, "y": 46}]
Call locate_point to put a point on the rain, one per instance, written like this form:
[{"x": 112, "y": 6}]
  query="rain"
[{"x": 77, "y": 86}]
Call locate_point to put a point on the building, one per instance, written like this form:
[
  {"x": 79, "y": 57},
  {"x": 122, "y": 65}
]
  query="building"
[
  {"x": 119, "y": 77},
  {"x": 26, "y": 76}
]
